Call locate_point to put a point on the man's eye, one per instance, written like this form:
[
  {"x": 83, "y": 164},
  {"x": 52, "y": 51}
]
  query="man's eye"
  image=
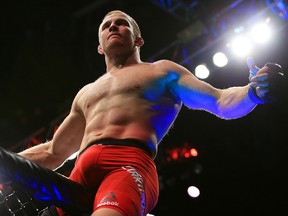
[
  {"x": 123, "y": 22},
  {"x": 105, "y": 25}
]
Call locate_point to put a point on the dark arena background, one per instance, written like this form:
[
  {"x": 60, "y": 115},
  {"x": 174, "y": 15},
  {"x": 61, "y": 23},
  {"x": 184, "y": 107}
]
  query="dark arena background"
[{"x": 49, "y": 51}]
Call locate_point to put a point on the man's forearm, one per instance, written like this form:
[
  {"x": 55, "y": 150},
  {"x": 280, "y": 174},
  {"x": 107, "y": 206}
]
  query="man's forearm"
[
  {"x": 42, "y": 155},
  {"x": 235, "y": 103}
]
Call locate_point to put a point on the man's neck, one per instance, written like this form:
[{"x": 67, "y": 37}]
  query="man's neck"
[{"x": 120, "y": 61}]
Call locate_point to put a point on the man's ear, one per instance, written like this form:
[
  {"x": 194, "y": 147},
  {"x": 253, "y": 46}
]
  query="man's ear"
[
  {"x": 100, "y": 50},
  {"x": 139, "y": 41}
]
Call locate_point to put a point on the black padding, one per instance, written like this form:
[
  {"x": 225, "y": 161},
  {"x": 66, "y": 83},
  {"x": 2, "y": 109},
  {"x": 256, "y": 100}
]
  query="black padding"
[
  {"x": 278, "y": 83},
  {"x": 44, "y": 184}
]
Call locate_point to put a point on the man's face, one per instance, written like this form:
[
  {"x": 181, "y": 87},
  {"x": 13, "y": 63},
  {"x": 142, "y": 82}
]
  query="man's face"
[{"x": 116, "y": 31}]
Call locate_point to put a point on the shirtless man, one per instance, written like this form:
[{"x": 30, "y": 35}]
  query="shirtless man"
[{"x": 117, "y": 121}]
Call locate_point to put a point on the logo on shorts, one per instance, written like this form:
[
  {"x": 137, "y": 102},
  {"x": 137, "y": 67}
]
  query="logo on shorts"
[
  {"x": 140, "y": 184},
  {"x": 109, "y": 199}
]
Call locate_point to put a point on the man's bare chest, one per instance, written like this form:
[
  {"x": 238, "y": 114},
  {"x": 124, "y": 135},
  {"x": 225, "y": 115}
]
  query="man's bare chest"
[{"x": 127, "y": 83}]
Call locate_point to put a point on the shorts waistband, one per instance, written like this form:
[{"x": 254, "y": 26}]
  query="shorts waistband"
[{"x": 122, "y": 142}]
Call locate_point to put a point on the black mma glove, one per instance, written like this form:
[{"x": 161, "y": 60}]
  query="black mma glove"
[{"x": 276, "y": 85}]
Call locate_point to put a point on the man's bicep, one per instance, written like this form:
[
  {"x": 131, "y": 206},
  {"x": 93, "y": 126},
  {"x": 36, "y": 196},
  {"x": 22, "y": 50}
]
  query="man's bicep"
[
  {"x": 194, "y": 93},
  {"x": 68, "y": 137}
]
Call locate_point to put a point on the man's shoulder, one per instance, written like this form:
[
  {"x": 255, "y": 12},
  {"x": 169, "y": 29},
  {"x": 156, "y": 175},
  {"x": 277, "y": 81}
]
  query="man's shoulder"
[
  {"x": 163, "y": 61},
  {"x": 167, "y": 64},
  {"x": 84, "y": 88}
]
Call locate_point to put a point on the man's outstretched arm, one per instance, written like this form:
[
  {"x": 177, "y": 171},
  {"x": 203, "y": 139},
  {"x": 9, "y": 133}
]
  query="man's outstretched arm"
[{"x": 229, "y": 103}]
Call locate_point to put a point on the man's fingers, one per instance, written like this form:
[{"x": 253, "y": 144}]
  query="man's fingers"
[
  {"x": 253, "y": 69},
  {"x": 261, "y": 91},
  {"x": 251, "y": 63},
  {"x": 260, "y": 77}
]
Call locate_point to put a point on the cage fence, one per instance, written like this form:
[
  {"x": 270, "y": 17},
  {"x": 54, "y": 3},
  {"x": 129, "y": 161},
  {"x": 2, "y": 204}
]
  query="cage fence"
[{"x": 17, "y": 203}]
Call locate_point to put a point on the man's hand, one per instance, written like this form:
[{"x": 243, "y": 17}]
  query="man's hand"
[{"x": 267, "y": 83}]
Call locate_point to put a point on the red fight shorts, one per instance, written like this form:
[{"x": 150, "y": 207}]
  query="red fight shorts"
[{"x": 124, "y": 178}]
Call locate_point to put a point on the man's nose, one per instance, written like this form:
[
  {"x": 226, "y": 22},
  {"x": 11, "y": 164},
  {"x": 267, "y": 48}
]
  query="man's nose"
[{"x": 113, "y": 27}]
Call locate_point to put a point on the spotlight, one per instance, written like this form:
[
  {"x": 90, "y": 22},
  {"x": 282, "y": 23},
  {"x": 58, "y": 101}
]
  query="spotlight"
[
  {"x": 220, "y": 59},
  {"x": 261, "y": 33},
  {"x": 201, "y": 71},
  {"x": 242, "y": 46},
  {"x": 193, "y": 191}
]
